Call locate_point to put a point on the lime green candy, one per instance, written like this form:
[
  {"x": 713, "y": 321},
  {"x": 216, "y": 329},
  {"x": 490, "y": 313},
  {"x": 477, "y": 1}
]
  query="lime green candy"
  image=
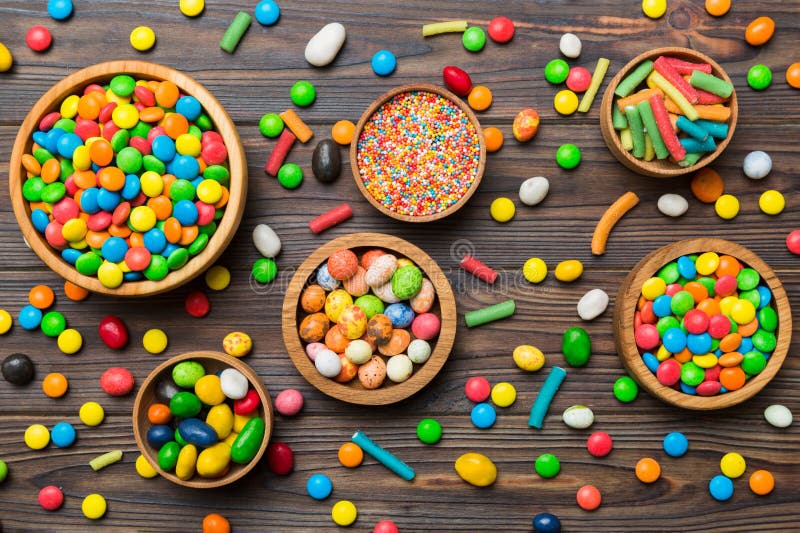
[
  {"x": 65, "y": 124},
  {"x": 3, "y": 471},
  {"x": 217, "y": 173},
  {"x": 42, "y": 155},
  {"x": 264, "y": 270},
  {"x": 120, "y": 140},
  {"x": 141, "y": 129},
  {"x": 180, "y": 440},
  {"x": 157, "y": 269},
  {"x": 153, "y": 164},
  {"x": 406, "y": 281},
  {"x": 168, "y": 456},
  {"x": 271, "y": 124},
  {"x": 129, "y": 160},
  {"x": 576, "y": 346},
  {"x": 474, "y": 39},
  {"x": 764, "y": 341},
  {"x": 747, "y": 279},
  {"x": 53, "y": 192},
  {"x": 88, "y": 263},
  {"x": 302, "y": 94},
  {"x": 691, "y": 374},
  {"x": 669, "y": 273},
  {"x": 32, "y": 189},
  {"x": 753, "y": 362},
  {"x": 122, "y": 85},
  {"x": 290, "y": 176},
  {"x": 625, "y": 389},
  {"x": 248, "y": 442},
  {"x": 187, "y": 373},
  {"x": 53, "y": 323},
  {"x": 181, "y": 190},
  {"x": 199, "y": 244},
  {"x": 370, "y": 304},
  {"x": 767, "y": 319}
]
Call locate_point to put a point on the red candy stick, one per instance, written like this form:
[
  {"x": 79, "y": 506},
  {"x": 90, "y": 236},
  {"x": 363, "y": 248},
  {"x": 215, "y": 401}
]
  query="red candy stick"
[
  {"x": 278, "y": 154},
  {"x": 335, "y": 216},
  {"x": 686, "y": 67},
  {"x": 674, "y": 77},
  {"x": 671, "y": 141},
  {"x": 478, "y": 269},
  {"x": 707, "y": 98}
]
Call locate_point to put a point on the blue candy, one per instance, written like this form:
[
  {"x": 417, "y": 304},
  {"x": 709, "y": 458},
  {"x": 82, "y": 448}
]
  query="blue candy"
[
  {"x": 765, "y": 294},
  {"x": 184, "y": 167},
  {"x": 400, "y": 314},
  {"x": 59, "y": 9},
  {"x": 63, "y": 435},
  {"x": 107, "y": 200},
  {"x": 132, "y": 276},
  {"x": 699, "y": 344},
  {"x": 155, "y": 241},
  {"x": 483, "y": 416},
  {"x": 51, "y": 139},
  {"x": 89, "y": 200},
  {"x": 383, "y": 62},
  {"x": 168, "y": 249},
  {"x": 132, "y": 187},
  {"x": 159, "y": 435},
  {"x": 195, "y": 431},
  {"x": 70, "y": 255},
  {"x": 546, "y": 523},
  {"x": 67, "y": 144},
  {"x": 114, "y": 249},
  {"x": 676, "y": 444},
  {"x": 325, "y": 280},
  {"x": 746, "y": 345},
  {"x": 686, "y": 267},
  {"x": 319, "y": 486},
  {"x": 163, "y": 147},
  {"x": 40, "y": 220},
  {"x": 650, "y": 361},
  {"x": 674, "y": 340},
  {"x": 721, "y": 488},
  {"x": 688, "y": 389},
  {"x": 662, "y": 306},
  {"x": 30, "y": 317},
  {"x": 189, "y": 107},
  {"x": 186, "y": 212},
  {"x": 268, "y": 12}
]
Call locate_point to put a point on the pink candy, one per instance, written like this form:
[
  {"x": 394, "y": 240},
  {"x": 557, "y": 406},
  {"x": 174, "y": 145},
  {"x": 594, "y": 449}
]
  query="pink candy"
[
  {"x": 426, "y": 326},
  {"x": 117, "y": 381},
  {"x": 646, "y": 337},
  {"x": 669, "y": 372},
  {"x": 289, "y": 402}
]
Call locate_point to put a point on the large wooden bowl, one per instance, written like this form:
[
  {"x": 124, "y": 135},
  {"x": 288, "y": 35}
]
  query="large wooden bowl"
[
  {"x": 102, "y": 72},
  {"x": 663, "y": 168},
  {"x": 213, "y": 362},
  {"x": 385, "y": 97},
  {"x": 625, "y": 308},
  {"x": 354, "y": 392}
]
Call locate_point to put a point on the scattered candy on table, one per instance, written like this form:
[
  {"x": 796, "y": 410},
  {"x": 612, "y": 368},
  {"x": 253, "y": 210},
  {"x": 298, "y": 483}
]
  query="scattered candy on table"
[
  {"x": 501, "y": 29},
  {"x": 592, "y": 304},
  {"x": 192, "y": 8},
  {"x": 473, "y": 39},
  {"x": 319, "y": 486},
  {"x": 323, "y": 47},
  {"x": 383, "y": 62},
  {"x": 51, "y": 498},
  {"x": 721, "y": 488},
  {"x": 476, "y": 469},
  {"x": 7, "y": 60},
  {"x": 236, "y": 30},
  {"x": 94, "y": 506},
  {"x": 344, "y": 513},
  {"x": 547, "y": 465},
  {"x": 18, "y": 369},
  {"x": 673, "y": 205},
  {"x": 578, "y": 417},
  {"x": 545, "y": 396},
  {"x": 142, "y": 38},
  {"x": 384, "y": 457},
  {"x": 429, "y": 431},
  {"x": 648, "y": 470},
  {"x": 155, "y": 341},
  {"x": 778, "y": 416},
  {"x": 762, "y": 482},
  {"x": 588, "y": 497},
  {"x": 38, "y": 38},
  {"x": 599, "y": 444},
  {"x": 676, "y": 444}
]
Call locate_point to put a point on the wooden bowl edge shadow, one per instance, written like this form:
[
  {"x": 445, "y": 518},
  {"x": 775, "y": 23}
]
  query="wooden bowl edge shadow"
[
  {"x": 655, "y": 168},
  {"x": 140, "y": 416},
  {"x": 625, "y": 305},
  {"x": 397, "y": 391},
  {"x": 373, "y": 107},
  {"x": 223, "y": 124}
]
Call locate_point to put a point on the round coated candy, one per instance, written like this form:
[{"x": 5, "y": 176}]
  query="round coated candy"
[
  {"x": 18, "y": 369},
  {"x": 483, "y": 416},
  {"x": 280, "y": 459},
  {"x": 579, "y": 79},
  {"x": 762, "y": 482},
  {"x": 29, "y": 317},
  {"x": 270, "y": 125},
  {"x": 759, "y": 77},
  {"x": 94, "y": 506},
  {"x": 197, "y": 304},
  {"x": 477, "y": 389},
  {"x": 343, "y": 132},
  {"x": 588, "y": 498},
  {"x": 290, "y": 175},
  {"x": 319, "y": 486},
  {"x": 385, "y": 526},
  {"x": 51, "y": 498},
  {"x": 480, "y": 98},
  {"x": 568, "y": 156},
  {"x": 502, "y": 209},
  {"x": 570, "y": 45},
  {"x": 504, "y": 394},
  {"x": 721, "y": 488},
  {"x": 142, "y": 39},
  {"x": 534, "y": 270},
  {"x": 5, "y": 321},
  {"x": 383, "y": 62},
  {"x": 565, "y": 102},
  {"x": 155, "y": 341},
  {"x": 648, "y": 470},
  {"x": 556, "y": 71},
  {"x": 192, "y": 8},
  {"x": 218, "y": 277},
  {"x": 70, "y": 341},
  {"x": 546, "y": 523},
  {"x": 63, "y": 434},
  {"x": 38, "y": 38},
  {"x": 289, "y": 402},
  {"x": 59, "y": 9},
  {"x": 429, "y": 431},
  {"x": 41, "y": 296},
  {"x": 344, "y": 513},
  {"x": 473, "y": 39},
  {"x": 599, "y": 444},
  {"x": 237, "y": 344},
  {"x": 547, "y": 465},
  {"x": 264, "y": 270},
  {"x": 676, "y": 444},
  {"x": 625, "y": 389},
  {"x": 303, "y": 94},
  {"x": 727, "y": 206},
  {"x": 267, "y": 12},
  {"x": 350, "y": 454},
  {"x": 501, "y": 29},
  {"x": 654, "y": 8},
  {"x": 778, "y": 416},
  {"x": 771, "y": 202},
  {"x": 216, "y": 523},
  {"x": 732, "y": 465},
  {"x": 117, "y": 381},
  {"x": 37, "y": 437},
  {"x": 91, "y": 414},
  {"x": 757, "y": 165},
  {"x": 113, "y": 332},
  {"x": 55, "y": 385}
]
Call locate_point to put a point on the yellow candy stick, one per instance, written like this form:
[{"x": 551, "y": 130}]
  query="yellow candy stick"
[
  {"x": 597, "y": 79},
  {"x": 452, "y": 26},
  {"x": 675, "y": 95}
]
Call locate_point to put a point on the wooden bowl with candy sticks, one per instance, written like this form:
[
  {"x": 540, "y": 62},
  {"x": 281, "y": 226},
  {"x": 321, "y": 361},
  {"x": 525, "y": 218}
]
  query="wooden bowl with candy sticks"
[
  {"x": 350, "y": 389},
  {"x": 668, "y": 74},
  {"x": 207, "y": 245},
  {"x": 633, "y": 358},
  {"x": 391, "y": 186}
]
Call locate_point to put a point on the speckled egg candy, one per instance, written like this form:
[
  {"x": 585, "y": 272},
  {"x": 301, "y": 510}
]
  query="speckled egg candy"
[
  {"x": 335, "y": 340},
  {"x": 372, "y": 373},
  {"x": 419, "y": 351},
  {"x": 314, "y": 327},
  {"x": 386, "y": 293},
  {"x": 342, "y": 264},
  {"x": 422, "y": 302},
  {"x": 399, "y": 368},
  {"x": 352, "y": 322},
  {"x": 312, "y": 299},
  {"x": 358, "y": 351},
  {"x": 406, "y": 281},
  {"x": 370, "y": 256},
  {"x": 371, "y": 304},
  {"x": 328, "y": 363},
  {"x": 348, "y": 372},
  {"x": 381, "y": 270},
  {"x": 325, "y": 280},
  {"x": 426, "y": 326},
  {"x": 400, "y": 314},
  {"x": 397, "y": 343},
  {"x": 336, "y": 302},
  {"x": 312, "y": 348},
  {"x": 379, "y": 329},
  {"x": 356, "y": 284}
]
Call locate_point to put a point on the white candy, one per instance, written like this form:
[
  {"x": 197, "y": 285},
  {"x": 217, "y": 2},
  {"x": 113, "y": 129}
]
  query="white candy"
[
  {"x": 234, "y": 384},
  {"x": 570, "y": 45},
  {"x": 778, "y": 415},
  {"x": 325, "y": 44},
  {"x": 533, "y": 190},
  {"x": 385, "y": 293},
  {"x": 757, "y": 165},
  {"x": 592, "y": 304},
  {"x": 578, "y": 417},
  {"x": 358, "y": 352},
  {"x": 419, "y": 351},
  {"x": 381, "y": 270},
  {"x": 672, "y": 205},
  {"x": 399, "y": 368},
  {"x": 328, "y": 363},
  {"x": 266, "y": 240}
]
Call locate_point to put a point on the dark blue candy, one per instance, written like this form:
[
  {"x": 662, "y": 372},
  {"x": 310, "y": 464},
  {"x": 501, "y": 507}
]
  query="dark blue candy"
[
  {"x": 546, "y": 523},
  {"x": 195, "y": 431},
  {"x": 132, "y": 276},
  {"x": 159, "y": 435}
]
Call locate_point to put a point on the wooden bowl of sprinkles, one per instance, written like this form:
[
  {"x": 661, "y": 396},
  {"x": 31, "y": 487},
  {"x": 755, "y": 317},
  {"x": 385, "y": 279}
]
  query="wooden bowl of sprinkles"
[{"x": 380, "y": 173}]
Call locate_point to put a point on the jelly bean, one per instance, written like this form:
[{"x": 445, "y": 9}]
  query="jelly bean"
[
  {"x": 113, "y": 332},
  {"x": 578, "y": 417},
  {"x": 51, "y": 498},
  {"x": 721, "y": 488},
  {"x": 546, "y": 523},
  {"x": 38, "y": 38},
  {"x": 588, "y": 498},
  {"x": 158, "y": 435},
  {"x": 91, "y": 414},
  {"x": 187, "y": 459},
  {"x": 63, "y": 435},
  {"x": 576, "y": 346},
  {"x": 247, "y": 404},
  {"x": 94, "y": 506},
  {"x": 319, "y": 486},
  {"x": 672, "y": 205},
  {"x": 187, "y": 373},
  {"x": 717, "y": 8},
  {"x": 323, "y": 47},
  {"x": 457, "y": 80},
  {"x": 249, "y": 441},
  {"x": 37, "y": 437},
  {"x": 326, "y": 162},
  {"x": 568, "y": 271},
  {"x": 383, "y": 62},
  {"x": 759, "y": 31},
  {"x": 185, "y": 405},
  {"x": 501, "y": 29},
  {"x": 476, "y": 469},
  {"x": 280, "y": 459},
  {"x": 197, "y": 432},
  {"x": 556, "y": 71},
  {"x": 213, "y": 461},
  {"x": 757, "y": 165}
]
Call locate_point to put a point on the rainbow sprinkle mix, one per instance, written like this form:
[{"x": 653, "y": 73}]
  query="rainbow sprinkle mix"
[{"x": 418, "y": 154}]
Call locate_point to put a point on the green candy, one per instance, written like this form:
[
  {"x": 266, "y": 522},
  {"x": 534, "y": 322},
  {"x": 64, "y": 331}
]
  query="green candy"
[
  {"x": 177, "y": 259},
  {"x": 122, "y": 85},
  {"x": 53, "y": 323},
  {"x": 767, "y": 319},
  {"x": 42, "y": 155},
  {"x": 217, "y": 173},
  {"x": 53, "y": 192},
  {"x": 66, "y": 169},
  {"x": 474, "y": 39},
  {"x": 203, "y": 122},
  {"x": 141, "y": 129},
  {"x": 708, "y": 283},
  {"x": 3, "y": 471},
  {"x": 168, "y": 456},
  {"x": 691, "y": 374},
  {"x": 556, "y": 71},
  {"x": 568, "y": 156},
  {"x": 181, "y": 190},
  {"x": 185, "y": 405},
  {"x": 208, "y": 229},
  {"x": 370, "y": 304},
  {"x": 290, "y": 176},
  {"x": 302, "y": 94},
  {"x": 753, "y": 362},
  {"x": 759, "y": 77},
  {"x": 429, "y": 431},
  {"x": 129, "y": 160},
  {"x": 669, "y": 273},
  {"x": 179, "y": 439},
  {"x": 547, "y": 465},
  {"x": 187, "y": 373},
  {"x": 195, "y": 131},
  {"x": 65, "y": 124},
  {"x": 682, "y": 302},
  {"x": 199, "y": 244},
  {"x": 752, "y": 296},
  {"x": 625, "y": 389},
  {"x": 747, "y": 279},
  {"x": 264, "y": 270},
  {"x": 32, "y": 189},
  {"x": 88, "y": 263},
  {"x": 667, "y": 322},
  {"x": 406, "y": 281},
  {"x": 246, "y": 445},
  {"x": 157, "y": 269},
  {"x": 271, "y": 124},
  {"x": 576, "y": 346},
  {"x": 153, "y": 164},
  {"x": 764, "y": 341},
  {"x": 120, "y": 140}
]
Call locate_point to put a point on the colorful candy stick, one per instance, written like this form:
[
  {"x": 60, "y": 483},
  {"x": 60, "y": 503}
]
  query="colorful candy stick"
[
  {"x": 706, "y": 98},
  {"x": 490, "y": 314},
  {"x": 676, "y": 96},
  {"x": 618, "y": 120},
  {"x": 687, "y": 126},
  {"x": 710, "y": 83},
  {"x": 296, "y": 124},
  {"x": 714, "y": 113},
  {"x": 545, "y": 396},
  {"x": 671, "y": 141},
  {"x": 451, "y": 26},
  {"x": 690, "y": 159},
  {"x": 672, "y": 76},
  {"x": 235, "y": 31},
  {"x": 626, "y": 139},
  {"x": 632, "y": 80},
  {"x": 651, "y": 127},
  {"x": 278, "y": 155},
  {"x": 649, "y": 151},
  {"x": 610, "y": 217},
  {"x": 102, "y": 461},
  {"x": 478, "y": 269},
  {"x": 597, "y": 79},
  {"x": 382, "y": 456},
  {"x": 693, "y": 145},
  {"x": 637, "y": 130},
  {"x": 641, "y": 96},
  {"x": 686, "y": 67},
  {"x": 715, "y": 129},
  {"x": 335, "y": 216},
  {"x": 673, "y": 119}
]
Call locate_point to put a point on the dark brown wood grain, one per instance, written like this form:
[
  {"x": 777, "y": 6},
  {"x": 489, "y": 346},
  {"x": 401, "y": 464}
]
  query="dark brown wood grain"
[{"x": 256, "y": 80}]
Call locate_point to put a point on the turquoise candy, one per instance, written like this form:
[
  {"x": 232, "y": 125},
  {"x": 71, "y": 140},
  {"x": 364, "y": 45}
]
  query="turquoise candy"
[
  {"x": 406, "y": 281},
  {"x": 576, "y": 346}
]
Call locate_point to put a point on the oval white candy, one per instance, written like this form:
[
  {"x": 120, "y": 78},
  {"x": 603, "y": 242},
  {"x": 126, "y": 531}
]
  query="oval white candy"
[
  {"x": 672, "y": 205},
  {"x": 233, "y": 383},
  {"x": 570, "y": 45},
  {"x": 419, "y": 351},
  {"x": 533, "y": 190},
  {"x": 325, "y": 44},
  {"x": 399, "y": 368},
  {"x": 778, "y": 415},
  {"x": 328, "y": 363},
  {"x": 757, "y": 165},
  {"x": 358, "y": 351},
  {"x": 592, "y": 304},
  {"x": 266, "y": 240},
  {"x": 578, "y": 417}
]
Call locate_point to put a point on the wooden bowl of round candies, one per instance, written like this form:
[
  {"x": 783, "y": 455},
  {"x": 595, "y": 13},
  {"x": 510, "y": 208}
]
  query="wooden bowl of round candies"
[
  {"x": 369, "y": 319},
  {"x": 418, "y": 153},
  {"x": 128, "y": 178},
  {"x": 202, "y": 419},
  {"x": 669, "y": 112},
  {"x": 702, "y": 323}
]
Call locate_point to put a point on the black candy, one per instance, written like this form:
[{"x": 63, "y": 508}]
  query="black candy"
[
  {"x": 326, "y": 161},
  {"x": 18, "y": 369},
  {"x": 166, "y": 389}
]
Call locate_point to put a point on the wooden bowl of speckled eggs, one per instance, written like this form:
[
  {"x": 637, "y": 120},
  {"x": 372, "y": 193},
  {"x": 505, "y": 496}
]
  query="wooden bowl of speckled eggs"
[{"x": 362, "y": 343}]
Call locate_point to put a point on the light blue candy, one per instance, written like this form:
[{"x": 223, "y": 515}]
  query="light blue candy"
[
  {"x": 186, "y": 212},
  {"x": 131, "y": 188},
  {"x": 59, "y": 9},
  {"x": 662, "y": 306},
  {"x": 699, "y": 344},
  {"x": 108, "y": 200},
  {"x": 325, "y": 280},
  {"x": 688, "y": 389},
  {"x": 721, "y": 488},
  {"x": 650, "y": 361},
  {"x": 319, "y": 486},
  {"x": 163, "y": 147},
  {"x": 30, "y": 317},
  {"x": 189, "y": 107},
  {"x": 70, "y": 255},
  {"x": 383, "y": 62},
  {"x": 114, "y": 249},
  {"x": 267, "y": 12},
  {"x": 63, "y": 435},
  {"x": 384, "y": 457},
  {"x": 676, "y": 444},
  {"x": 674, "y": 340},
  {"x": 483, "y": 416},
  {"x": 155, "y": 241},
  {"x": 89, "y": 200},
  {"x": 400, "y": 314},
  {"x": 686, "y": 267},
  {"x": 67, "y": 144},
  {"x": 40, "y": 220}
]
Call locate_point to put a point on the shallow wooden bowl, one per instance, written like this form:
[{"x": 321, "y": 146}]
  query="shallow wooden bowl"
[
  {"x": 663, "y": 168},
  {"x": 625, "y": 308},
  {"x": 354, "y": 392},
  {"x": 385, "y": 97},
  {"x": 102, "y": 72},
  {"x": 213, "y": 362}
]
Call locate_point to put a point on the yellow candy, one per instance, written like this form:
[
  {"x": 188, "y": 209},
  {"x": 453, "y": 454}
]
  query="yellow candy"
[
  {"x": 502, "y": 209},
  {"x": 213, "y": 461},
  {"x": 743, "y": 312},
  {"x": 653, "y": 288},
  {"x": 565, "y": 102},
  {"x": 237, "y": 344},
  {"x": 239, "y": 421},
  {"x": 74, "y": 230},
  {"x": 187, "y": 458},
  {"x": 771, "y": 202},
  {"x": 476, "y": 469},
  {"x": 504, "y": 394},
  {"x": 726, "y": 304},
  {"x": 70, "y": 341},
  {"x": 218, "y": 277},
  {"x": 6, "y": 59},
  {"x": 142, "y": 38},
  {"x": 220, "y": 417},
  {"x": 192, "y": 8},
  {"x": 727, "y": 206},
  {"x": 94, "y": 506},
  {"x": 732, "y": 465},
  {"x": 707, "y": 263},
  {"x": 92, "y": 414},
  {"x": 111, "y": 96},
  {"x": 404, "y": 261},
  {"x": 654, "y": 8},
  {"x": 569, "y": 270},
  {"x": 152, "y": 183},
  {"x": 142, "y": 218},
  {"x": 37, "y": 437},
  {"x": 708, "y": 360},
  {"x": 144, "y": 468},
  {"x": 336, "y": 302},
  {"x": 230, "y": 439},
  {"x": 81, "y": 160},
  {"x": 209, "y": 390},
  {"x": 5, "y": 321},
  {"x": 663, "y": 354},
  {"x": 110, "y": 275},
  {"x": 529, "y": 358},
  {"x": 344, "y": 513},
  {"x": 125, "y": 116},
  {"x": 69, "y": 107},
  {"x": 209, "y": 191},
  {"x": 78, "y": 245},
  {"x": 534, "y": 270},
  {"x": 155, "y": 341},
  {"x": 188, "y": 144}
]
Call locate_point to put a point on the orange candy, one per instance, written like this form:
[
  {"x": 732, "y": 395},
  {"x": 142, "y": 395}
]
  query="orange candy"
[
  {"x": 730, "y": 360},
  {"x": 172, "y": 230},
  {"x": 74, "y": 292},
  {"x": 223, "y": 201},
  {"x": 95, "y": 239},
  {"x": 707, "y": 185},
  {"x": 793, "y": 75},
  {"x": 717, "y": 8},
  {"x": 111, "y": 178},
  {"x": 216, "y": 523},
  {"x": 684, "y": 356},
  {"x": 175, "y": 125},
  {"x": 51, "y": 170},
  {"x": 84, "y": 179},
  {"x": 119, "y": 231},
  {"x": 746, "y": 330},
  {"x": 697, "y": 290},
  {"x": 350, "y": 454},
  {"x": 167, "y": 94},
  {"x": 728, "y": 266},
  {"x": 159, "y": 413},
  {"x": 343, "y": 131},
  {"x": 88, "y": 107},
  {"x": 168, "y": 180},
  {"x": 759, "y": 31},
  {"x": 188, "y": 235},
  {"x": 55, "y": 385},
  {"x": 480, "y": 98},
  {"x": 709, "y": 306},
  {"x": 648, "y": 470},
  {"x": 493, "y": 138},
  {"x": 151, "y": 114},
  {"x": 729, "y": 343},
  {"x": 41, "y": 296},
  {"x": 161, "y": 205},
  {"x": 732, "y": 378},
  {"x": 101, "y": 152},
  {"x": 762, "y": 482},
  {"x": 136, "y": 239},
  {"x": 31, "y": 164}
]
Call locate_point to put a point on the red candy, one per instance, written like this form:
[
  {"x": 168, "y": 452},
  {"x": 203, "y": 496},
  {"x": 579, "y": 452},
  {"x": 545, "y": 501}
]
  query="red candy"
[
  {"x": 426, "y": 326},
  {"x": 342, "y": 264},
  {"x": 137, "y": 258},
  {"x": 673, "y": 288},
  {"x": 49, "y": 120},
  {"x": 725, "y": 285},
  {"x": 588, "y": 498},
  {"x": 280, "y": 459},
  {"x": 51, "y": 498},
  {"x": 501, "y": 29},
  {"x": 669, "y": 372},
  {"x": 793, "y": 242},
  {"x": 647, "y": 337},
  {"x": 457, "y": 80},
  {"x": 285, "y": 142},
  {"x": 599, "y": 444},
  {"x": 214, "y": 153},
  {"x": 578, "y": 79},
  {"x": 66, "y": 209},
  {"x": 335, "y": 216},
  {"x": 38, "y": 38},
  {"x": 197, "y": 304},
  {"x": 708, "y": 388},
  {"x": 647, "y": 315},
  {"x": 117, "y": 381},
  {"x": 385, "y": 526},
  {"x": 477, "y": 389},
  {"x": 478, "y": 269},
  {"x": 718, "y": 326},
  {"x": 113, "y": 332},
  {"x": 248, "y": 404},
  {"x": 712, "y": 374},
  {"x": 696, "y": 321}
]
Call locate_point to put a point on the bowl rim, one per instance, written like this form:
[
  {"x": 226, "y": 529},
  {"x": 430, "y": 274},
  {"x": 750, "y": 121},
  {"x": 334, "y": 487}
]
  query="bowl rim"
[
  {"x": 397, "y": 391},
  {"x": 625, "y": 306},
  {"x": 223, "y": 124},
  {"x": 196, "y": 481},
  {"x": 649, "y": 168},
  {"x": 373, "y": 107}
]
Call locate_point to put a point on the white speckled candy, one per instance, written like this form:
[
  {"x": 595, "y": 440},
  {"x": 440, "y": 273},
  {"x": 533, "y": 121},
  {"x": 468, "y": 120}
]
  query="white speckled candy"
[
  {"x": 578, "y": 417},
  {"x": 592, "y": 304},
  {"x": 419, "y": 351},
  {"x": 399, "y": 368},
  {"x": 325, "y": 44},
  {"x": 533, "y": 190},
  {"x": 234, "y": 384},
  {"x": 672, "y": 205},
  {"x": 778, "y": 415},
  {"x": 358, "y": 352},
  {"x": 328, "y": 363},
  {"x": 757, "y": 165},
  {"x": 381, "y": 270},
  {"x": 385, "y": 293},
  {"x": 266, "y": 240},
  {"x": 570, "y": 45}
]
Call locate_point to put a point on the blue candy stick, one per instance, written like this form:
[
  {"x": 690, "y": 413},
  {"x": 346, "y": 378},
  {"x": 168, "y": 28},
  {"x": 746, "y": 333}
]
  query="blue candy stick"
[
  {"x": 693, "y": 145},
  {"x": 545, "y": 396},
  {"x": 695, "y": 131},
  {"x": 382, "y": 456},
  {"x": 718, "y": 130}
]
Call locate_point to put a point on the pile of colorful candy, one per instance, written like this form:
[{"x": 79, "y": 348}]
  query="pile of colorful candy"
[
  {"x": 233, "y": 429},
  {"x": 127, "y": 180},
  {"x": 343, "y": 339},
  {"x": 704, "y": 324}
]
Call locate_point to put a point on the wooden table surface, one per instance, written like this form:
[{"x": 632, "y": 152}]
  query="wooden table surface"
[{"x": 256, "y": 80}]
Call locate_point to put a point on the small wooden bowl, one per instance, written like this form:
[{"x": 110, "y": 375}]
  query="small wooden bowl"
[
  {"x": 213, "y": 362},
  {"x": 625, "y": 308},
  {"x": 101, "y": 72},
  {"x": 663, "y": 168},
  {"x": 385, "y": 97},
  {"x": 354, "y": 392}
]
